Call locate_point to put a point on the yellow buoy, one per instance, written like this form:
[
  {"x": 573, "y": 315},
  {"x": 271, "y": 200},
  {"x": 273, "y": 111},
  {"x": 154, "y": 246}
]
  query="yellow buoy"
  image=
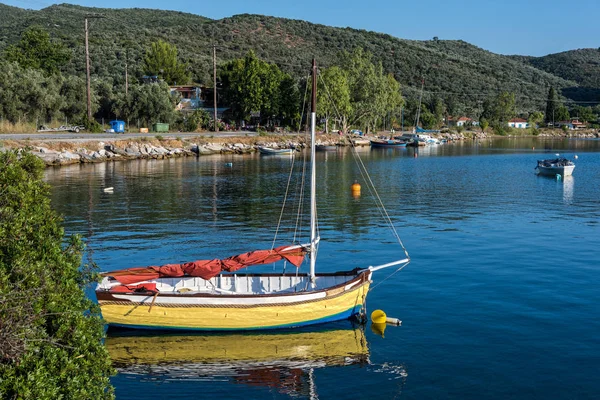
[{"x": 378, "y": 317}]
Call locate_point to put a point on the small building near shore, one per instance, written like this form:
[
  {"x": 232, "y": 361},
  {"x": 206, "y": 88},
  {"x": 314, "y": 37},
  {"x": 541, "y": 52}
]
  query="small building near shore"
[
  {"x": 518, "y": 123},
  {"x": 573, "y": 124},
  {"x": 196, "y": 97},
  {"x": 462, "y": 121}
]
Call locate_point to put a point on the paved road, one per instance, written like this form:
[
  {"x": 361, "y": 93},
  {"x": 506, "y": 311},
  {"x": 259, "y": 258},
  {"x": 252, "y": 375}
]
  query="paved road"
[{"x": 84, "y": 137}]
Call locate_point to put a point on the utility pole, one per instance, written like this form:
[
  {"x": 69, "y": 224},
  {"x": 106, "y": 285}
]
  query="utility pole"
[
  {"x": 87, "y": 68},
  {"x": 126, "y": 79},
  {"x": 215, "y": 85}
]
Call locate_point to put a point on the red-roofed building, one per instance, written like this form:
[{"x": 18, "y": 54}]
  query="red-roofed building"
[
  {"x": 462, "y": 121},
  {"x": 572, "y": 124},
  {"x": 518, "y": 123}
]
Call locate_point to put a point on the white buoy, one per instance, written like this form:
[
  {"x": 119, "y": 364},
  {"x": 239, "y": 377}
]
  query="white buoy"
[
  {"x": 109, "y": 190},
  {"x": 393, "y": 321},
  {"x": 576, "y": 156}
]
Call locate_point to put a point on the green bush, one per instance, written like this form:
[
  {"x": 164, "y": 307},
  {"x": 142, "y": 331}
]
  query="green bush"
[
  {"x": 92, "y": 126},
  {"x": 50, "y": 332}
]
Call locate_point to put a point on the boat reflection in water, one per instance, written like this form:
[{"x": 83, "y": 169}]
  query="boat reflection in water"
[{"x": 282, "y": 360}]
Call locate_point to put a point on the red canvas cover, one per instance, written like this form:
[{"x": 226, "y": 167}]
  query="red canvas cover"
[{"x": 209, "y": 268}]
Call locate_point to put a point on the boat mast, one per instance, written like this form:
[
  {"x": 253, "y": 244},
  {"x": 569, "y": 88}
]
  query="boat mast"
[{"x": 313, "y": 176}]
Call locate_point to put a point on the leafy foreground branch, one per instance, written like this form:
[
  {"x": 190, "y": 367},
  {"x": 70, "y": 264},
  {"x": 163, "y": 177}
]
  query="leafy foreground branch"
[{"x": 50, "y": 332}]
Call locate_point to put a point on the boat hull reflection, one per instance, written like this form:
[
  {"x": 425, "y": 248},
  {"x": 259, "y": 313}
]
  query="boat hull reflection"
[{"x": 238, "y": 356}]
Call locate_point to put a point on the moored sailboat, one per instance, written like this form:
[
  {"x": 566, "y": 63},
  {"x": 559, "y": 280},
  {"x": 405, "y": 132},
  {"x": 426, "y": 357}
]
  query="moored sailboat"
[{"x": 209, "y": 295}]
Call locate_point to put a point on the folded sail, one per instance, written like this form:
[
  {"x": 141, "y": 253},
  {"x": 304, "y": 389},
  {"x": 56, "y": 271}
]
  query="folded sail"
[{"x": 207, "y": 269}]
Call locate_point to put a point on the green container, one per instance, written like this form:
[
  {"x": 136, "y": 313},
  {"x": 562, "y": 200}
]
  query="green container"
[{"x": 160, "y": 127}]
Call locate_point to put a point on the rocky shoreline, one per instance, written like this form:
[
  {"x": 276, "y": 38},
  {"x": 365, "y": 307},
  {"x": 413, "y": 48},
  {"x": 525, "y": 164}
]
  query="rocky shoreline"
[
  {"x": 60, "y": 153},
  {"x": 95, "y": 151}
]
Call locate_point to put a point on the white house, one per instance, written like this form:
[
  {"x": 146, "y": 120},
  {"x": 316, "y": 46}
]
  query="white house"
[
  {"x": 518, "y": 123},
  {"x": 462, "y": 121}
]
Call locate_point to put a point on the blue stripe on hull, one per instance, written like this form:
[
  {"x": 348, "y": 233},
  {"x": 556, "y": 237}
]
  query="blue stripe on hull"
[{"x": 345, "y": 315}]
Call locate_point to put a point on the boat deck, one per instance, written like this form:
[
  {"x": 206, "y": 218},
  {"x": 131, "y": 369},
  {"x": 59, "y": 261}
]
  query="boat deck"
[{"x": 248, "y": 284}]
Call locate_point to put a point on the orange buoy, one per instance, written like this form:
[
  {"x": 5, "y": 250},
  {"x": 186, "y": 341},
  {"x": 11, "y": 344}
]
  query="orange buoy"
[{"x": 355, "y": 189}]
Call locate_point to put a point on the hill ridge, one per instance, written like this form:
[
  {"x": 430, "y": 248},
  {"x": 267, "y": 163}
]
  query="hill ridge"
[{"x": 451, "y": 68}]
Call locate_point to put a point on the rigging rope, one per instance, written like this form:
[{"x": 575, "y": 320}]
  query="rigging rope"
[{"x": 370, "y": 185}]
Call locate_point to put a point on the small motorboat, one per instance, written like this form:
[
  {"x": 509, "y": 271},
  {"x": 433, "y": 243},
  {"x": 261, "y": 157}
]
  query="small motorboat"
[
  {"x": 555, "y": 166},
  {"x": 388, "y": 143},
  {"x": 325, "y": 147},
  {"x": 272, "y": 151}
]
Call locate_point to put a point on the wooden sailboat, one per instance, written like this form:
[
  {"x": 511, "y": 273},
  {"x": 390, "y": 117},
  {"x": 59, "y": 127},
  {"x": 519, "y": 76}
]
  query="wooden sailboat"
[{"x": 208, "y": 295}]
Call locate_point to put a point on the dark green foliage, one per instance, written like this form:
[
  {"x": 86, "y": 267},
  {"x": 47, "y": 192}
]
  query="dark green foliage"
[
  {"x": 551, "y": 105},
  {"x": 562, "y": 114},
  {"x": 31, "y": 95},
  {"x": 161, "y": 60},
  {"x": 50, "y": 332},
  {"x": 147, "y": 103},
  {"x": 499, "y": 110},
  {"x": 35, "y": 50},
  {"x": 252, "y": 85},
  {"x": 584, "y": 114},
  {"x": 581, "y": 66},
  {"x": 192, "y": 122}
]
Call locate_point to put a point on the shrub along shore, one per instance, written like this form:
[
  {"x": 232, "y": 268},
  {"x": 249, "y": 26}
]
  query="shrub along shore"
[{"x": 65, "y": 152}]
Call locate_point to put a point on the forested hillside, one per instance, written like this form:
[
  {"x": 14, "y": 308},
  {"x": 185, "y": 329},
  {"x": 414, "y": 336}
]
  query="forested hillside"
[
  {"x": 581, "y": 66},
  {"x": 459, "y": 74}
]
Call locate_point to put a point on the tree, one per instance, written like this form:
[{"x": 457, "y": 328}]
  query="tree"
[
  {"x": 428, "y": 119},
  {"x": 585, "y": 114},
  {"x": 36, "y": 50},
  {"x": 289, "y": 101},
  {"x": 73, "y": 93},
  {"x": 551, "y": 106},
  {"x": 373, "y": 94},
  {"x": 28, "y": 94},
  {"x": 438, "y": 109},
  {"x": 535, "y": 118},
  {"x": 161, "y": 60},
  {"x": 50, "y": 332},
  {"x": 499, "y": 110},
  {"x": 484, "y": 124},
  {"x": 333, "y": 100},
  {"x": 562, "y": 113},
  {"x": 148, "y": 103},
  {"x": 252, "y": 85}
]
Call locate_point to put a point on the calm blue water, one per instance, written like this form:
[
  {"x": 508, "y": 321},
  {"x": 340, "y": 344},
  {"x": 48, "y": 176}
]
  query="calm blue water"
[{"x": 500, "y": 299}]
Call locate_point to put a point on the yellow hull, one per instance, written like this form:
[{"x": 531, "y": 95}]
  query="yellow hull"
[{"x": 335, "y": 306}]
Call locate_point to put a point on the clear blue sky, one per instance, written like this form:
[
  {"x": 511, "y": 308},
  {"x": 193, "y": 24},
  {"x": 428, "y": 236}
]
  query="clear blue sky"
[{"x": 525, "y": 27}]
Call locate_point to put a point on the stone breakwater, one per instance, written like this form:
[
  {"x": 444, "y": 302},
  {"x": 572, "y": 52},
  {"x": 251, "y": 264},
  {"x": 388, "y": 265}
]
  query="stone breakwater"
[{"x": 95, "y": 152}]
